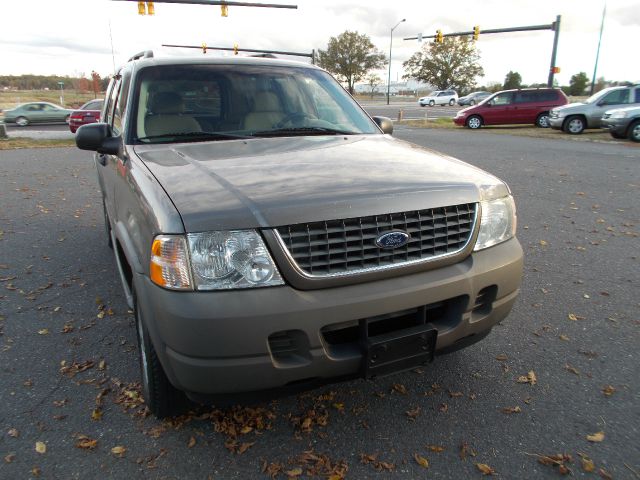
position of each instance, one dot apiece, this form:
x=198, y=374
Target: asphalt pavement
x=554, y=387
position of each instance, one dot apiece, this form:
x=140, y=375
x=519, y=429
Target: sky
x=73, y=37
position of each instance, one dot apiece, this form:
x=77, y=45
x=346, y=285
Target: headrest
x=266, y=102
x=167, y=102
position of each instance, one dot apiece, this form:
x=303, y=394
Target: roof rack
x=143, y=54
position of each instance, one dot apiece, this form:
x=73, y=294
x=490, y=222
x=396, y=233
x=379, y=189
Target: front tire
x=22, y=121
x=574, y=125
x=474, y=122
x=452, y=102
x=431, y=103
x=543, y=120
x=472, y=102
x=634, y=131
x=162, y=398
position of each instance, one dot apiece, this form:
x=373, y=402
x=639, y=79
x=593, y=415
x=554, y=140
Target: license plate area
x=388, y=351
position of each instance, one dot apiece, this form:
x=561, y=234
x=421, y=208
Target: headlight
x=233, y=259
x=497, y=223
x=619, y=114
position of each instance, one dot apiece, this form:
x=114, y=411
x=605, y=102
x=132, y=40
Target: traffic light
x=235, y=48
x=439, y=36
x=476, y=32
x=204, y=47
x=224, y=10
x=555, y=69
x=148, y=9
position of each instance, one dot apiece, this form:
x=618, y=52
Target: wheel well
x=475, y=115
x=579, y=115
x=631, y=123
x=124, y=265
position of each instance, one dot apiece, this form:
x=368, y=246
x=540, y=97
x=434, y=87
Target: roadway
x=70, y=377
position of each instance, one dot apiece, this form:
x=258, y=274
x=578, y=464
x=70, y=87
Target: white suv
x=439, y=97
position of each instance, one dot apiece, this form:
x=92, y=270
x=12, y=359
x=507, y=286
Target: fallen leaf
x=44, y=331
x=502, y=357
x=455, y=394
x=41, y=447
x=563, y=337
x=420, y=460
x=604, y=474
x=596, y=437
x=296, y=472
x=413, y=414
x=57, y=309
x=86, y=443
x=13, y=433
x=543, y=243
x=608, y=390
x=435, y=448
x=571, y=369
x=528, y=378
x=515, y=409
x=102, y=365
x=244, y=447
x=401, y=389
x=118, y=450
x=573, y=317
x=485, y=469
x=10, y=458
x=588, y=465
x=35, y=471
x=192, y=442
x=443, y=407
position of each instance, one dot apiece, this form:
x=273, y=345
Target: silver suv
x=439, y=97
x=270, y=234
x=575, y=117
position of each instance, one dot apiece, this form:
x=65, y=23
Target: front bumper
x=556, y=122
x=460, y=121
x=616, y=125
x=223, y=342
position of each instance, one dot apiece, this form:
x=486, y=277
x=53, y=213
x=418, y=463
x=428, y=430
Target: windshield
x=220, y=102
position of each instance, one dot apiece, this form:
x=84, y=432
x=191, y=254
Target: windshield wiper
x=302, y=131
x=195, y=136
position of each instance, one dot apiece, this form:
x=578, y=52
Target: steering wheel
x=291, y=119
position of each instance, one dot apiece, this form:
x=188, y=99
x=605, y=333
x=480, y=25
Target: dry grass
x=72, y=98
x=23, y=142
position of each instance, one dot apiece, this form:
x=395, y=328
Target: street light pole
x=61, y=93
x=390, y=47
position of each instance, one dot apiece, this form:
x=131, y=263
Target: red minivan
x=528, y=105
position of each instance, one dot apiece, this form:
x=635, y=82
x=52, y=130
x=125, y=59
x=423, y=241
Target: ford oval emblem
x=393, y=239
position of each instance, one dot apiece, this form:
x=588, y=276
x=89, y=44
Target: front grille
x=348, y=246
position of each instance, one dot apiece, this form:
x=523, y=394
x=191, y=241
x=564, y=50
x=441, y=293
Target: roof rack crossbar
x=143, y=54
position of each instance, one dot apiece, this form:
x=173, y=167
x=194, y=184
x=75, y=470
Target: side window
x=526, y=97
x=108, y=111
x=118, y=111
x=502, y=99
x=637, y=97
x=616, y=97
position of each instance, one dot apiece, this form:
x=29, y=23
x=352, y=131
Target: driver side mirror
x=385, y=124
x=98, y=137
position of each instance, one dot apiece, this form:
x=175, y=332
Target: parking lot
x=553, y=389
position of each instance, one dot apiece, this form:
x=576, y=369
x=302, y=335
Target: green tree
x=350, y=56
x=578, y=84
x=373, y=81
x=512, y=80
x=450, y=64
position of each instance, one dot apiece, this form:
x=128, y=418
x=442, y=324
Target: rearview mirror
x=385, y=124
x=98, y=137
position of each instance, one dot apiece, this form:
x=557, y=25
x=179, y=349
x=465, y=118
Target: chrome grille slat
x=347, y=246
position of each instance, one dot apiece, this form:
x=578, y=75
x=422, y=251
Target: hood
x=271, y=182
x=569, y=107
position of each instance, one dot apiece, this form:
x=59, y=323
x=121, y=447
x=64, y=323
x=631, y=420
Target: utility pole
x=390, y=47
x=553, y=69
x=595, y=68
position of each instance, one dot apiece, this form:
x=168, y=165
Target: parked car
x=87, y=113
x=473, y=98
x=623, y=123
x=527, y=105
x=576, y=117
x=270, y=234
x=36, y=112
x=439, y=97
